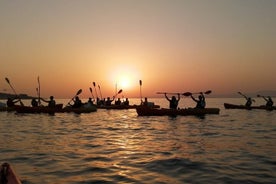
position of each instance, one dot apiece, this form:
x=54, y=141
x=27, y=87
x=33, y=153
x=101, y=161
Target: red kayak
x=8, y=175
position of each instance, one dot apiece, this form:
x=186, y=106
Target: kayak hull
x=262, y=107
x=39, y=109
x=79, y=110
x=146, y=111
x=8, y=174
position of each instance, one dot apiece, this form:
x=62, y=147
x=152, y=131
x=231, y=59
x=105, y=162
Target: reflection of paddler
x=7, y=175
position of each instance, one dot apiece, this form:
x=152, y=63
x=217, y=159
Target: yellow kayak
x=7, y=175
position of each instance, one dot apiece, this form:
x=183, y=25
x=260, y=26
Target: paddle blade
x=120, y=91
x=79, y=92
x=187, y=94
x=8, y=81
x=94, y=84
x=99, y=87
x=90, y=90
x=208, y=92
x=140, y=82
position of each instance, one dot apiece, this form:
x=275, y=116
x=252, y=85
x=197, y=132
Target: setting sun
x=124, y=77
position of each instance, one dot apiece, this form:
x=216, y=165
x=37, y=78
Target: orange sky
x=174, y=46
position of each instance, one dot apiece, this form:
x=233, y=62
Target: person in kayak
x=126, y=102
x=77, y=102
x=269, y=101
x=248, y=101
x=34, y=103
x=173, y=101
x=51, y=102
x=118, y=102
x=109, y=101
x=11, y=102
x=200, y=102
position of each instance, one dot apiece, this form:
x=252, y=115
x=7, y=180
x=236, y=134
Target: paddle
x=120, y=91
x=94, y=84
x=8, y=81
x=79, y=92
x=100, y=91
x=189, y=93
x=245, y=96
x=140, y=82
x=91, y=92
x=167, y=93
x=38, y=90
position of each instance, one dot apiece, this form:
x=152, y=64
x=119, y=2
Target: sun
x=124, y=77
x=124, y=82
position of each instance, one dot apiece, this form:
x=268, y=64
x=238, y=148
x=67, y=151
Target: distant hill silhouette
x=7, y=95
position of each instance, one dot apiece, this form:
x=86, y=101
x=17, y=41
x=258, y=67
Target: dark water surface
x=117, y=146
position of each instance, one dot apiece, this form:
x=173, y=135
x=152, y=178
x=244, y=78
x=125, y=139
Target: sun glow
x=125, y=77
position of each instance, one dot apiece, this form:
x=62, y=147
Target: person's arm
x=193, y=98
x=167, y=97
x=44, y=100
x=178, y=95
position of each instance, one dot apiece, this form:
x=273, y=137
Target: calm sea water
x=117, y=146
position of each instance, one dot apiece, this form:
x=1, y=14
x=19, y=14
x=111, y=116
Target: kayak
x=233, y=106
x=116, y=107
x=83, y=109
x=8, y=175
x=147, y=111
x=39, y=109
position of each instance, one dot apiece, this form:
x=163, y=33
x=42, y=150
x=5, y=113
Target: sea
x=118, y=146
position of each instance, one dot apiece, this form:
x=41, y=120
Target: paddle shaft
x=8, y=81
x=94, y=84
x=168, y=93
x=140, y=83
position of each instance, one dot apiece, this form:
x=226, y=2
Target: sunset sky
x=171, y=45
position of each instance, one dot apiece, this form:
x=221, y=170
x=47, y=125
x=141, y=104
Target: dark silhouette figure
x=109, y=101
x=248, y=101
x=34, y=103
x=173, y=101
x=269, y=101
x=51, y=102
x=200, y=102
x=126, y=102
x=11, y=102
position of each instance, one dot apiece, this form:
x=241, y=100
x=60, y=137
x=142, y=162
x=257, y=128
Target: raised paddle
x=94, y=84
x=38, y=90
x=79, y=92
x=8, y=81
x=189, y=93
x=100, y=91
x=245, y=96
x=120, y=91
x=91, y=92
x=167, y=93
x=140, y=83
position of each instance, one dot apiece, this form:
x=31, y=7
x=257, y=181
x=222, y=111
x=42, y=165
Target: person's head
x=108, y=98
x=90, y=99
x=173, y=98
x=200, y=97
x=146, y=99
x=51, y=97
x=77, y=98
